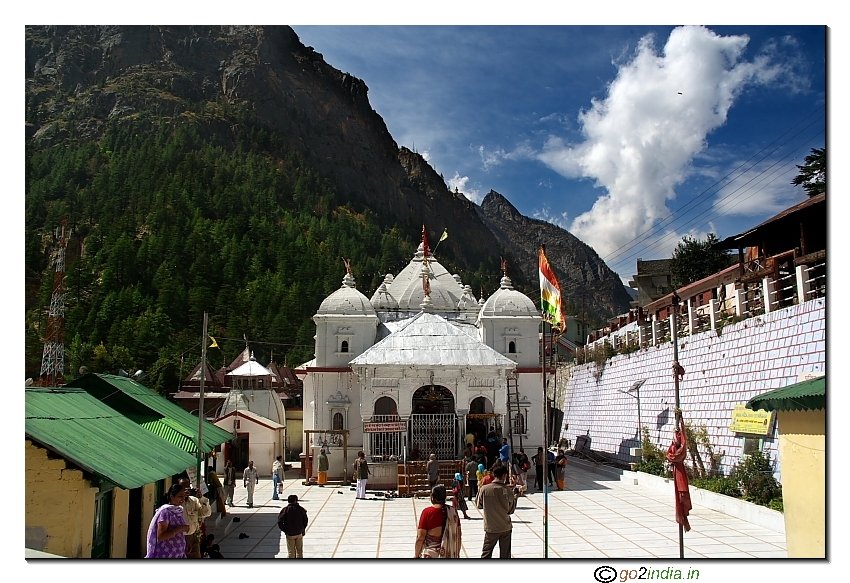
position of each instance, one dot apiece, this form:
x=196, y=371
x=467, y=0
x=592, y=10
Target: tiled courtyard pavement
x=596, y=517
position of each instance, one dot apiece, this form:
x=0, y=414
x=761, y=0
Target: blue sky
x=627, y=136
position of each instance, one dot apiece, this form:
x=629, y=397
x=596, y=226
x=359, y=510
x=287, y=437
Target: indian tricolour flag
x=550, y=295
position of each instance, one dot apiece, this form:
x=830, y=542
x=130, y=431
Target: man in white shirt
x=251, y=477
x=195, y=509
x=277, y=476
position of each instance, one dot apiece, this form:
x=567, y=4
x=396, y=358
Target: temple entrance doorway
x=386, y=444
x=433, y=424
x=481, y=419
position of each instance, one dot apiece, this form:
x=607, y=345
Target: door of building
x=240, y=452
x=134, y=525
x=102, y=531
x=433, y=433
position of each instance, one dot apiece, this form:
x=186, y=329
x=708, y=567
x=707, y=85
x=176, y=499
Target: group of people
x=438, y=534
x=177, y=527
x=495, y=491
x=556, y=468
x=176, y=530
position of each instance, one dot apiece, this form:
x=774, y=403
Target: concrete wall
x=802, y=449
x=149, y=503
x=59, y=509
x=722, y=370
x=120, y=519
x=295, y=432
x=264, y=444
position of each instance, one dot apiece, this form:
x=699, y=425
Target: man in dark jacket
x=292, y=520
x=492, y=449
x=539, y=478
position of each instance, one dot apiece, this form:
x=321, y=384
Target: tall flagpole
x=674, y=332
x=544, y=478
x=201, y=405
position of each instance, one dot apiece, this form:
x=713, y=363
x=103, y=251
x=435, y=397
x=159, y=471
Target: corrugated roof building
x=154, y=412
x=82, y=460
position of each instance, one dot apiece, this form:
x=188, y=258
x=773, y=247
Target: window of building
x=344, y=346
x=385, y=406
x=752, y=444
x=512, y=347
x=338, y=422
x=519, y=423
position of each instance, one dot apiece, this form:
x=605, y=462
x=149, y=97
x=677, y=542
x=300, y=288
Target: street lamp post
x=635, y=388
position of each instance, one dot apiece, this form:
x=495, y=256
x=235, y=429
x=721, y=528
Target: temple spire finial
x=425, y=249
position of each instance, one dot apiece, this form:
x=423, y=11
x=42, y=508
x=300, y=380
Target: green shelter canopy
x=803, y=396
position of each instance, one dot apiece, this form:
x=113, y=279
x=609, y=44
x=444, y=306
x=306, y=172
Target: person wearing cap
x=292, y=520
x=459, y=502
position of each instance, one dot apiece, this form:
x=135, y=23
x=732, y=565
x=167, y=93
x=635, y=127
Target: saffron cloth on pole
x=676, y=454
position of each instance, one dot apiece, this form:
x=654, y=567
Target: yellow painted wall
x=120, y=514
x=295, y=430
x=149, y=506
x=802, y=454
x=59, y=510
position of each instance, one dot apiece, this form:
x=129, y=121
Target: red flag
x=425, y=242
x=676, y=454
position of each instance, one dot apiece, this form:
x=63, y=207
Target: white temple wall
x=497, y=333
x=331, y=331
x=530, y=386
x=321, y=386
x=746, y=359
x=264, y=444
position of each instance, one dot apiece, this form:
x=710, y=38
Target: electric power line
x=672, y=215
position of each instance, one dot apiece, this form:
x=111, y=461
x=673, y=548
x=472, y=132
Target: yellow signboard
x=748, y=421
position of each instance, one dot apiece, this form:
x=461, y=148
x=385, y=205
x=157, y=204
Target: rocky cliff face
x=80, y=78
x=588, y=284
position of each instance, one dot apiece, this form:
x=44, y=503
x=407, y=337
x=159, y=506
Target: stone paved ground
x=596, y=517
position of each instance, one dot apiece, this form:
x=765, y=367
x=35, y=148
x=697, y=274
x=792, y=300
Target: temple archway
x=433, y=399
x=481, y=419
x=433, y=423
x=385, y=444
x=385, y=406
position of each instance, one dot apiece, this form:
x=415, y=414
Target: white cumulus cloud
x=546, y=214
x=639, y=141
x=459, y=183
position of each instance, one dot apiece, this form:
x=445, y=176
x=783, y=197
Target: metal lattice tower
x=53, y=358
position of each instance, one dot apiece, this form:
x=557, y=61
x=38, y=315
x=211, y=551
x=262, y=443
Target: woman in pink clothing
x=167, y=532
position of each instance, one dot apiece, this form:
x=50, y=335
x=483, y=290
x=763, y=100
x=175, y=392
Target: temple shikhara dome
x=421, y=365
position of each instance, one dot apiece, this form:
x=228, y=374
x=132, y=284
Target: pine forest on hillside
x=168, y=225
x=229, y=170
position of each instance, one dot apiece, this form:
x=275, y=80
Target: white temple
x=413, y=370
x=252, y=410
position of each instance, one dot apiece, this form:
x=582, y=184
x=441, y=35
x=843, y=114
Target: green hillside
x=167, y=225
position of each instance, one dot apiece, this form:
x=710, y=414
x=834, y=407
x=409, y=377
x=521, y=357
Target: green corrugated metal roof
x=99, y=439
x=137, y=401
x=803, y=396
x=161, y=427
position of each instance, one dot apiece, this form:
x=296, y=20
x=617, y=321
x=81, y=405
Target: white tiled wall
x=746, y=359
